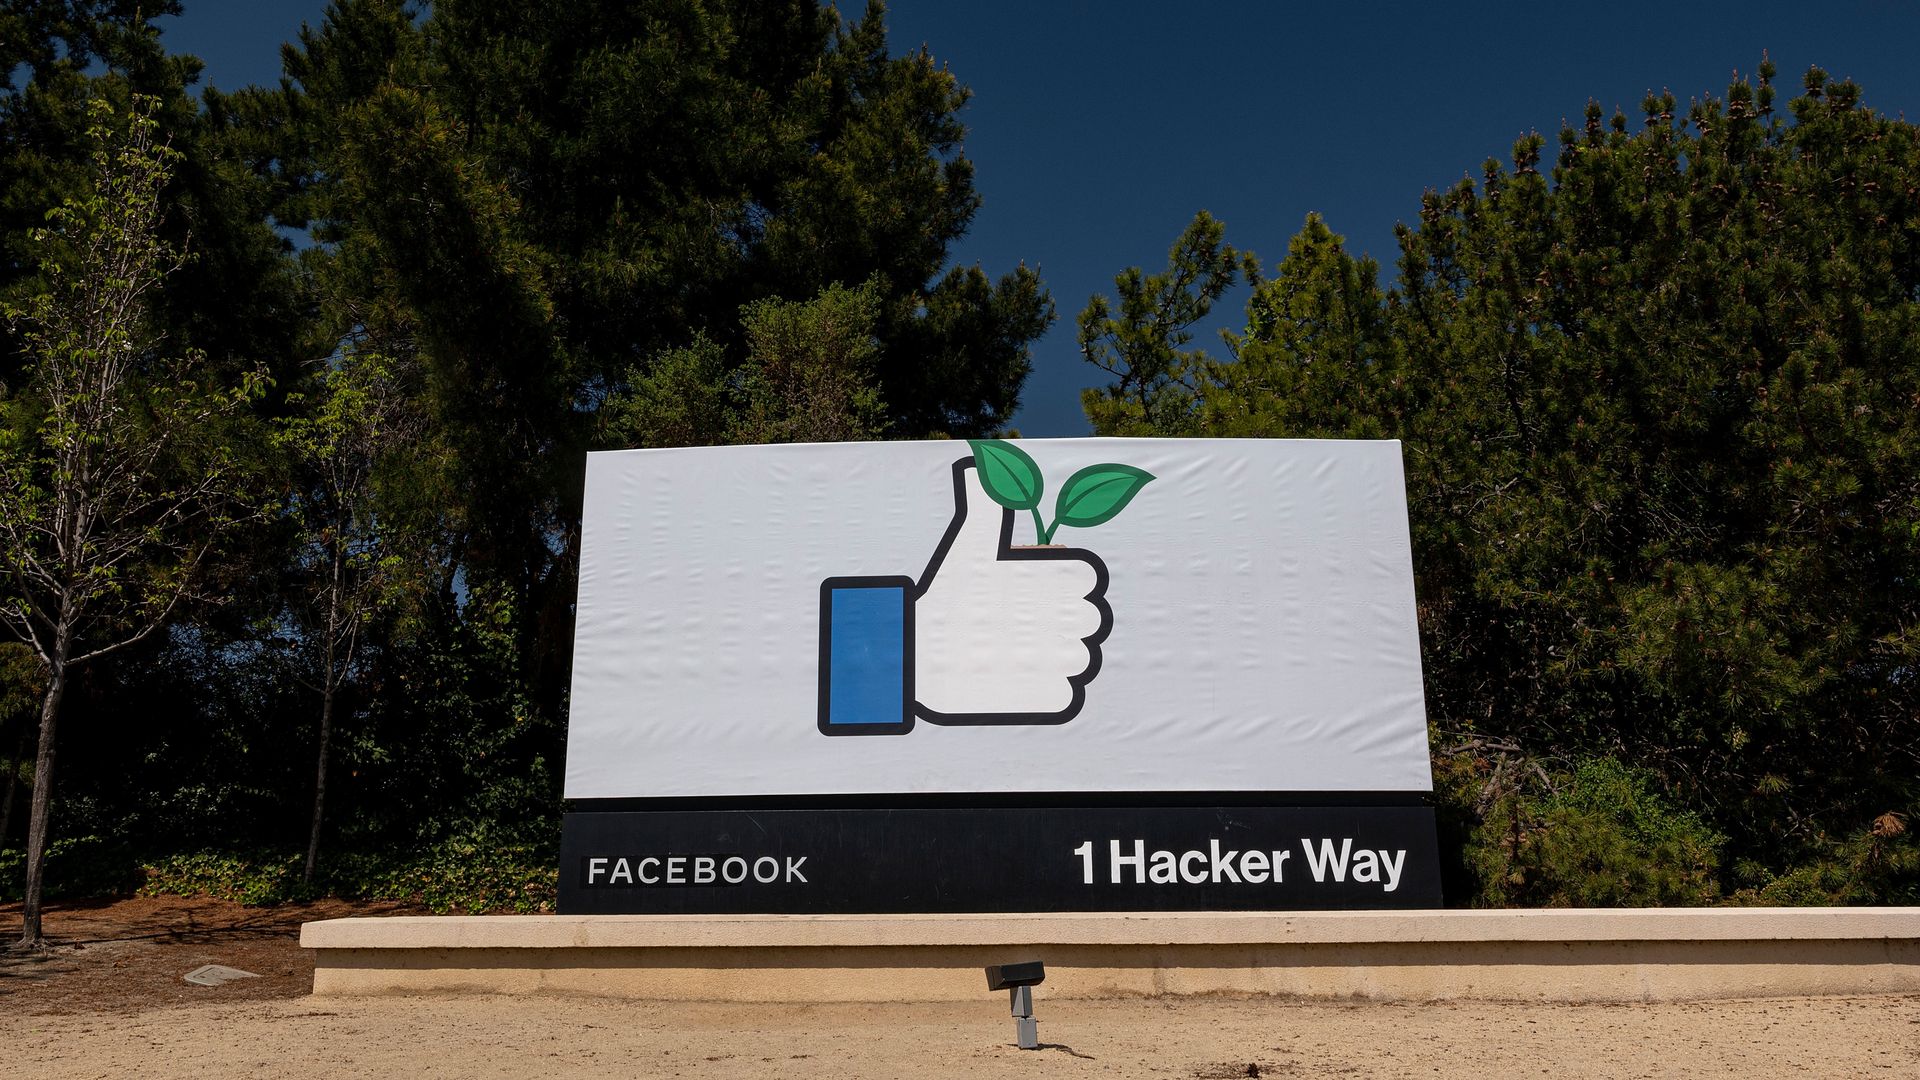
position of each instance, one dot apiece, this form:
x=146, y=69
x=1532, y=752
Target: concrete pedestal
x=1660, y=954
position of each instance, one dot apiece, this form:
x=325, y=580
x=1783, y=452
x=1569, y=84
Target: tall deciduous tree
x=354, y=420
x=113, y=483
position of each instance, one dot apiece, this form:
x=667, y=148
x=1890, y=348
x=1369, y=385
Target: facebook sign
x=1077, y=674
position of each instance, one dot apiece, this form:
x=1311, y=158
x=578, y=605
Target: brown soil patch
x=127, y=955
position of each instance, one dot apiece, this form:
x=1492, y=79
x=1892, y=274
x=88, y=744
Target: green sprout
x=1092, y=496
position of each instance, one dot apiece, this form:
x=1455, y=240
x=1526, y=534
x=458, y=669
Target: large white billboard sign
x=1075, y=615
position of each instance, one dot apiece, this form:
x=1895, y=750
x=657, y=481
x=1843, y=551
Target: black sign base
x=848, y=861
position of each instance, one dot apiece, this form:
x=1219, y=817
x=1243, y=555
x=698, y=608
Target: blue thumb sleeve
x=866, y=655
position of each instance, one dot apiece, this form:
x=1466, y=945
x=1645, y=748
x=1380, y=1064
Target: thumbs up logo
x=991, y=632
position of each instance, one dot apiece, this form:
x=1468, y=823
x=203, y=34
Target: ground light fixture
x=1018, y=980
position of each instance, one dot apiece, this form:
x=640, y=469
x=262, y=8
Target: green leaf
x=1009, y=475
x=1095, y=494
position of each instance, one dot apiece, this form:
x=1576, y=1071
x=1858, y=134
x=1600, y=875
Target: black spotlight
x=1018, y=980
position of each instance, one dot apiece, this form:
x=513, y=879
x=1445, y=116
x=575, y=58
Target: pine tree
x=1663, y=467
x=1143, y=345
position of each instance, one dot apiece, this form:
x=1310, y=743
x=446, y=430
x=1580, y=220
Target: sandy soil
x=522, y=1037
x=116, y=1008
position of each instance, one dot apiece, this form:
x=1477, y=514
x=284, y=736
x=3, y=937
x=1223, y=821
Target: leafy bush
x=1599, y=835
x=264, y=879
x=463, y=874
x=1879, y=866
x=76, y=867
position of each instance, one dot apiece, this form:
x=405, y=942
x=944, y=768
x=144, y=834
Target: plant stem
x=1039, y=527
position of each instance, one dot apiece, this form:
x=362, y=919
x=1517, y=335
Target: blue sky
x=1098, y=129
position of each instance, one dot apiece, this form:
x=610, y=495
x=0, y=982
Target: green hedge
x=458, y=875
x=464, y=875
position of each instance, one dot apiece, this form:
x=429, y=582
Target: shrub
x=1880, y=865
x=76, y=866
x=464, y=874
x=1598, y=835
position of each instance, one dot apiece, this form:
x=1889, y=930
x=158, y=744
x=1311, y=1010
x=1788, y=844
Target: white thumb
x=977, y=528
x=985, y=524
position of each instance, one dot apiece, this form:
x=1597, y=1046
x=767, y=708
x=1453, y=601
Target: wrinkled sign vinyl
x=1039, y=616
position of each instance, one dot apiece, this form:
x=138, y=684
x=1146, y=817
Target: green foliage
x=1318, y=340
x=807, y=377
x=1879, y=865
x=1599, y=835
x=1096, y=494
x=809, y=371
x=77, y=866
x=20, y=685
x=534, y=195
x=685, y=397
x=538, y=229
x=1008, y=474
x=473, y=875
x=119, y=469
x=459, y=746
x=1142, y=345
x=352, y=442
x=238, y=302
x=1663, y=471
x=461, y=875
x=260, y=879
x=118, y=466
x=1092, y=496
x=610, y=224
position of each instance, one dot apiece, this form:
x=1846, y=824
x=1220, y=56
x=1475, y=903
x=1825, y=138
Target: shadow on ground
x=124, y=955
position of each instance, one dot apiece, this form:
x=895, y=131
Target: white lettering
x=1327, y=863
x=1394, y=865
x=1366, y=865
x=1253, y=866
x=608, y=870
x=1193, y=877
x=1223, y=865
x=1329, y=859
x=1163, y=872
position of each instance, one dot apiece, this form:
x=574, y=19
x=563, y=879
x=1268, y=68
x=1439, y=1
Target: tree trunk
x=30, y=936
x=320, y=780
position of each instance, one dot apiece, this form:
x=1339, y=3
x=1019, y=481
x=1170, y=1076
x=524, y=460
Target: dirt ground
x=110, y=1003
x=119, y=956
